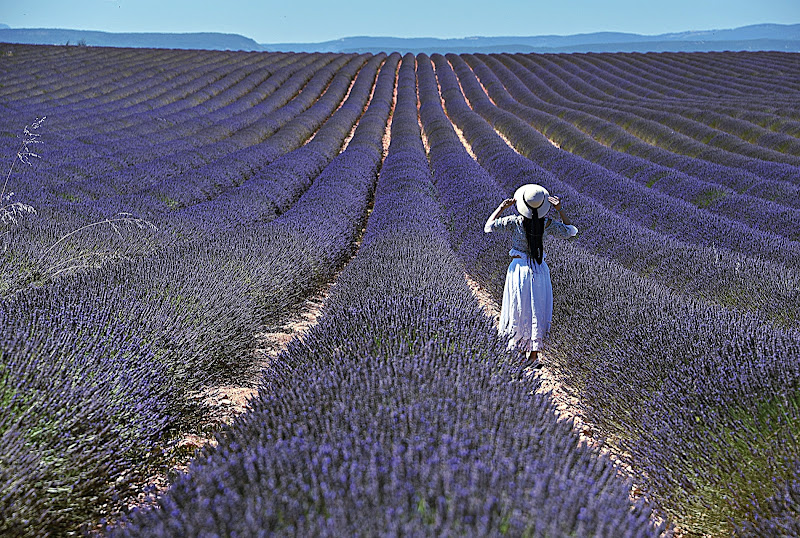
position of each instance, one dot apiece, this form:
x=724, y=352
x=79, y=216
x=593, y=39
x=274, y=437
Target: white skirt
x=527, y=304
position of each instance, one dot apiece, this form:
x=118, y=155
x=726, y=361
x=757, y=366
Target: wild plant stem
x=23, y=153
x=10, y=170
x=87, y=226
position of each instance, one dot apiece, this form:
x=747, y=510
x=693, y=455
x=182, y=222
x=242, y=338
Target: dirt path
x=225, y=403
x=567, y=407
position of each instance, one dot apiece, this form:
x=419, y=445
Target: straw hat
x=530, y=197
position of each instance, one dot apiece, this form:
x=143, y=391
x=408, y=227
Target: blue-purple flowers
x=267, y=177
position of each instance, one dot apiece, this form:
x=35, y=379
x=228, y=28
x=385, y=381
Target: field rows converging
x=175, y=206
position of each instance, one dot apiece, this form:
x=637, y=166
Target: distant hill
x=756, y=37
x=780, y=37
x=199, y=40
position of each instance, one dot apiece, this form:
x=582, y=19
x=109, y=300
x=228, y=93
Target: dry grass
x=11, y=212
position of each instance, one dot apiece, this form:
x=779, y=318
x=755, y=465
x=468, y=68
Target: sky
x=289, y=21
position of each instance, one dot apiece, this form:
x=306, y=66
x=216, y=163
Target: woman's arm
x=503, y=206
x=560, y=210
x=564, y=229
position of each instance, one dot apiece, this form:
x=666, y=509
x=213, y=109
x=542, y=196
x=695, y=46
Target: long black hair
x=534, y=229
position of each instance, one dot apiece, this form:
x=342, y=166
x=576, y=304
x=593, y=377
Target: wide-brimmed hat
x=532, y=197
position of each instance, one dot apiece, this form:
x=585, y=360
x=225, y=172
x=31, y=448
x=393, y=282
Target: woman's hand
x=502, y=207
x=556, y=203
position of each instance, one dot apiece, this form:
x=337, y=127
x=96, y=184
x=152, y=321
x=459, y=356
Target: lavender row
x=72, y=150
x=701, y=132
x=245, y=146
x=598, y=88
x=89, y=404
x=739, y=180
x=16, y=54
x=681, y=151
x=118, y=77
x=232, y=169
x=29, y=239
x=708, y=271
x=195, y=307
x=756, y=126
x=746, y=129
x=653, y=87
x=90, y=95
x=233, y=93
x=397, y=413
x=57, y=217
x=53, y=59
x=277, y=186
x=749, y=80
x=699, y=396
x=189, y=93
x=80, y=157
x=75, y=95
x=160, y=96
x=622, y=342
x=664, y=79
x=665, y=214
x=25, y=65
x=748, y=74
x=710, y=112
x=567, y=127
x=172, y=132
x=702, y=83
x=466, y=189
x=119, y=151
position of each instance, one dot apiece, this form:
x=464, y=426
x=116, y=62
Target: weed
x=708, y=197
x=10, y=211
x=83, y=260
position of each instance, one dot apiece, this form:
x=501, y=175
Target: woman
x=528, y=295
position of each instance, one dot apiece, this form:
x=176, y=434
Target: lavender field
x=175, y=205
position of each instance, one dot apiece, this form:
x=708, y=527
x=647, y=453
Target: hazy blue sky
x=322, y=20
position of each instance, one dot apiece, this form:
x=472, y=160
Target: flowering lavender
x=189, y=311
x=676, y=305
x=630, y=347
x=710, y=186
x=643, y=248
x=719, y=130
x=398, y=413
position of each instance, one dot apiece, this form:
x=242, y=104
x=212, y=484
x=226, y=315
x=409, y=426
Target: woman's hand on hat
x=507, y=203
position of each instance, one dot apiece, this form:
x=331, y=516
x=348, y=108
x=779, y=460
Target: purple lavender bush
x=598, y=140
x=85, y=415
x=188, y=311
x=625, y=340
x=706, y=271
x=398, y=413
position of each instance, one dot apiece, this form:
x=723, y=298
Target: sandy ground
x=568, y=408
x=224, y=403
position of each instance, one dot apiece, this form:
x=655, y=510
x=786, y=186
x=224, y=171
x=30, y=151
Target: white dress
x=528, y=294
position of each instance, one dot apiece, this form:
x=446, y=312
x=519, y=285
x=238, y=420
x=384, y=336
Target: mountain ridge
x=781, y=37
